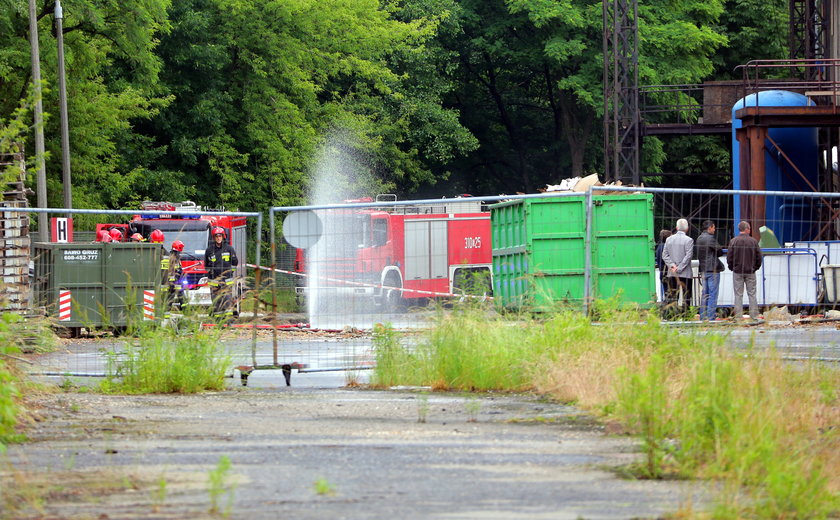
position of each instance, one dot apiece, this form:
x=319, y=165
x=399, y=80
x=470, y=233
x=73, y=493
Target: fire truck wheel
x=238, y=295
x=392, y=296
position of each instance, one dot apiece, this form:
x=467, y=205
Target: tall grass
x=16, y=335
x=461, y=351
x=767, y=429
x=168, y=361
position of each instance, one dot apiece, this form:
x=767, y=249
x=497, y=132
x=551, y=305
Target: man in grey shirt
x=676, y=255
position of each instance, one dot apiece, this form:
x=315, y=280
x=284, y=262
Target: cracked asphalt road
x=487, y=456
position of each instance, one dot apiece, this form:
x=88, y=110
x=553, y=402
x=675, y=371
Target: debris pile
x=582, y=184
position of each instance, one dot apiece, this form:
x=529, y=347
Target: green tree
x=531, y=80
x=756, y=29
x=111, y=83
x=260, y=86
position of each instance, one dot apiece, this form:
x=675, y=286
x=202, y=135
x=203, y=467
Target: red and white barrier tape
x=372, y=285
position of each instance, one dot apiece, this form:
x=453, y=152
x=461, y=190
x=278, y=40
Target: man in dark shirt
x=663, y=269
x=708, y=251
x=744, y=259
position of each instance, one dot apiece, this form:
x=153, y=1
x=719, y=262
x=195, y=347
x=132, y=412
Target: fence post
x=587, y=246
x=257, y=282
x=271, y=218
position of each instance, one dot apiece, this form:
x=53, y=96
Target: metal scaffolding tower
x=622, y=139
x=809, y=29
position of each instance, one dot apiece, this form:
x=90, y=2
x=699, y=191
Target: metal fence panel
x=796, y=244
x=404, y=263
x=397, y=262
x=93, y=288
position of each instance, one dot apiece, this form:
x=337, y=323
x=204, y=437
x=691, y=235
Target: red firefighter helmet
x=104, y=236
x=136, y=237
x=178, y=245
x=156, y=237
x=219, y=231
x=116, y=234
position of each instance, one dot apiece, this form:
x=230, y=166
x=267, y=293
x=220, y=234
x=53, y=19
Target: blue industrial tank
x=791, y=218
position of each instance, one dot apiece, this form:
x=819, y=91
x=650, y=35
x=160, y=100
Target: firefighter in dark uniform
x=157, y=237
x=220, y=260
x=173, y=278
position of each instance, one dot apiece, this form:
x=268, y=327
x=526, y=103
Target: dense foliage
x=231, y=102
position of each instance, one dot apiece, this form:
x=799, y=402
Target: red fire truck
x=402, y=254
x=177, y=223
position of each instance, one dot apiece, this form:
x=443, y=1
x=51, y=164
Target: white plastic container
x=831, y=279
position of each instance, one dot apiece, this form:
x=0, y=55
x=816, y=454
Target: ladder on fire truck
x=186, y=206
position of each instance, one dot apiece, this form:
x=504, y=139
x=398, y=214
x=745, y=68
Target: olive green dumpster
x=98, y=285
x=539, y=250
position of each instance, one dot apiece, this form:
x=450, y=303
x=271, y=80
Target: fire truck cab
x=177, y=223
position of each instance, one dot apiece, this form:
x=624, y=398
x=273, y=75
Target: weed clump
x=219, y=480
x=323, y=487
x=463, y=350
x=166, y=361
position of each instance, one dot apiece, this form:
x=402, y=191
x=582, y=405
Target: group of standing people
x=673, y=257
x=220, y=261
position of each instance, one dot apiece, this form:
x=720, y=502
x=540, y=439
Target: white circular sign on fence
x=302, y=229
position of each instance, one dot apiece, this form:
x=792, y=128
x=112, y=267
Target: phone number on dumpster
x=80, y=255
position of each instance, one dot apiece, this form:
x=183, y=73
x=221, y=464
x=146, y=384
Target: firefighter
x=220, y=260
x=116, y=235
x=173, y=277
x=137, y=237
x=157, y=237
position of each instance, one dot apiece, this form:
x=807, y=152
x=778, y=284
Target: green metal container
x=539, y=250
x=98, y=284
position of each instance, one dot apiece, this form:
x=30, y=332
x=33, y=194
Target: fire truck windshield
x=345, y=234
x=195, y=234
x=195, y=242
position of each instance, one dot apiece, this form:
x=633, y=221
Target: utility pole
x=41, y=178
x=62, y=101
